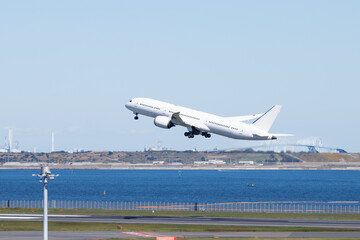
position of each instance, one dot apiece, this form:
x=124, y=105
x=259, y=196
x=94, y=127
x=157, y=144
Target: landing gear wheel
x=136, y=116
x=206, y=135
x=189, y=134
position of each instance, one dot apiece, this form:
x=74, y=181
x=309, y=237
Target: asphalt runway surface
x=57, y=235
x=32, y=235
x=260, y=222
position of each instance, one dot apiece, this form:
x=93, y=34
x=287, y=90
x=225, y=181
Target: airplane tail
x=267, y=119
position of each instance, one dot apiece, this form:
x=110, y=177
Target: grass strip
x=315, y=216
x=79, y=226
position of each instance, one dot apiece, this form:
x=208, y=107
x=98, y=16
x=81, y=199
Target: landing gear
x=136, y=116
x=206, y=135
x=189, y=134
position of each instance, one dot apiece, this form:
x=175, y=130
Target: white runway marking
x=35, y=216
x=13, y=217
x=40, y=215
x=72, y=216
x=140, y=234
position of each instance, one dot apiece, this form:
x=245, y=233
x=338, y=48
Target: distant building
x=246, y=162
x=158, y=162
x=210, y=162
x=176, y=164
x=81, y=163
x=217, y=162
x=75, y=150
x=18, y=164
x=201, y=162
x=143, y=164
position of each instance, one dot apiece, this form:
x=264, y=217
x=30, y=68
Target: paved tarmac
x=354, y=224
x=181, y=220
x=116, y=234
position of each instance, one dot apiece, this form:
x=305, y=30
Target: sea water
x=184, y=185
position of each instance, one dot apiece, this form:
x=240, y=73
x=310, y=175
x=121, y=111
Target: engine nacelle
x=163, y=122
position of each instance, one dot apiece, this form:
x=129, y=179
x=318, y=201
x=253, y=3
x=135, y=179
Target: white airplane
x=167, y=115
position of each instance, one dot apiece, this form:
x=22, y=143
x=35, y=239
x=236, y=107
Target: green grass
x=79, y=226
x=187, y=213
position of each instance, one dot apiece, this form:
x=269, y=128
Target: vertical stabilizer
x=267, y=119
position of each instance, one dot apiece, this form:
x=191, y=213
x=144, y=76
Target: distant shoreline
x=274, y=168
x=183, y=160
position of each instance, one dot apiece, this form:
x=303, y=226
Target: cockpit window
x=130, y=101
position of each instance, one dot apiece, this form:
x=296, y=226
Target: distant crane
x=6, y=144
x=17, y=144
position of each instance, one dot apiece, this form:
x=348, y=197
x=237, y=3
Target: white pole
x=45, y=231
x=45, y=174
x=52, y=142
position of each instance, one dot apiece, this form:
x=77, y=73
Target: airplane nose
x=129, y=104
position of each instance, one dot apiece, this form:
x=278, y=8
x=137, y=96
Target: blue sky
x=70, y=66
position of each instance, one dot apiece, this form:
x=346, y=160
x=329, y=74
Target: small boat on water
x=251, y=185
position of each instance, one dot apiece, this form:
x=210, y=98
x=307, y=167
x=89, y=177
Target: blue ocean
x=184, y=185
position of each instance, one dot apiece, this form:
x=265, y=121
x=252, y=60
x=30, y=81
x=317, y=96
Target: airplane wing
x=245, y=118
x=175, y=118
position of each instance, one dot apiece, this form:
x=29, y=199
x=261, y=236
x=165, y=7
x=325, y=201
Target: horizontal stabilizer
x=267, y=119
x=282, y=134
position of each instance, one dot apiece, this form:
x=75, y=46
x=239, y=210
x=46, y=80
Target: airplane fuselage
x=167, y=115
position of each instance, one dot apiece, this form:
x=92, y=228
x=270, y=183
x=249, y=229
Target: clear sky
x=70, y=66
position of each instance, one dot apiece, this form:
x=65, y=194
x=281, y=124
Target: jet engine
x=163, y=122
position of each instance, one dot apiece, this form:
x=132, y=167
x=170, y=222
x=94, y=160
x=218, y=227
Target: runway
x=59, y=235
x=353, y=224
